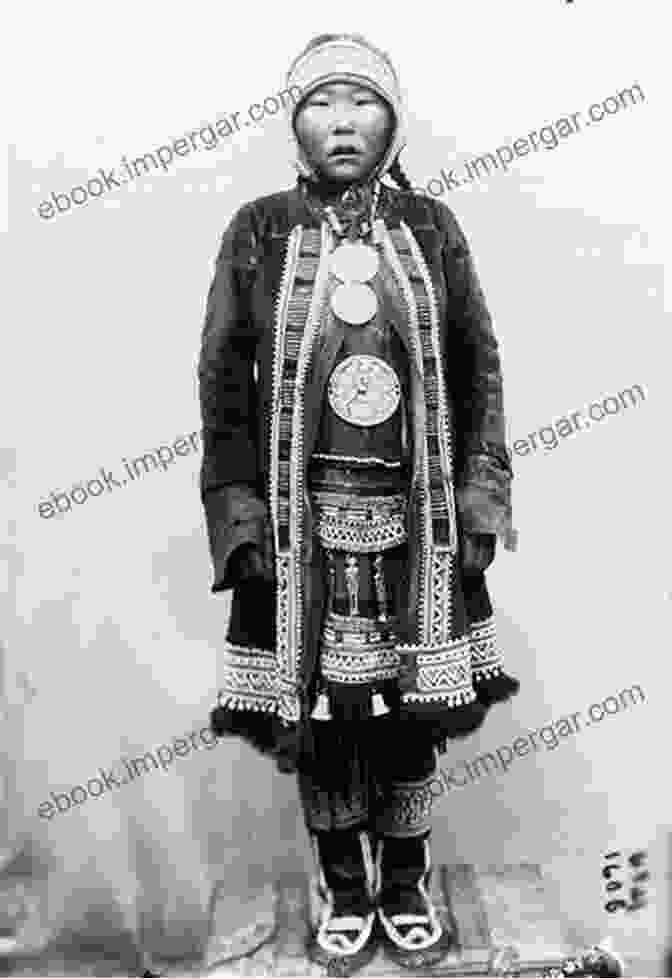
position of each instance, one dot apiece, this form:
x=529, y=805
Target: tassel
x=378, y=706
x=321, y=710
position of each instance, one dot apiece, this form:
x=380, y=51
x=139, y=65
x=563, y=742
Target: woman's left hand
x=478, y=552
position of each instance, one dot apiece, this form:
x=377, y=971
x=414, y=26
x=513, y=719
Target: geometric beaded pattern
x=293, y=309
x=298, y=310
x=443, y=673
x=440, y=663
x=485, y=657
x=440, y=607
x=419, y=499
x=249, y=678
x=437, y=431
x=286, y=616
x=407, y=808
x=360, y=524
x=357, y=659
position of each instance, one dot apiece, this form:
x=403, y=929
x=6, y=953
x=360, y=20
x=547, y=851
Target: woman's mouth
x=344, y=153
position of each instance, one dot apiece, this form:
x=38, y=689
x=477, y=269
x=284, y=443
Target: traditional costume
x=353, y=432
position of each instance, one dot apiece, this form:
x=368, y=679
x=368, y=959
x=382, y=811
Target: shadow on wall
x=133, y=871
x=510, y=816
x=246, y=812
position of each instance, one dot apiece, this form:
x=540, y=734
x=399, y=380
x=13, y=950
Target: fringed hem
x=264, y=731
x=237, y=702
x=257, y=728
x=452, y=700
x=485, y=672
x=496, y=688
x=444, y=725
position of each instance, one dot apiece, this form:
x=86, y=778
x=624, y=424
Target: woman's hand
x=478, y=552
x=250, y=564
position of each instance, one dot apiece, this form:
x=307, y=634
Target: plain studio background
x=113, y=649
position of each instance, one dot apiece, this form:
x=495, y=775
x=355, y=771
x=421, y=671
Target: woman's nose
x=342, y=120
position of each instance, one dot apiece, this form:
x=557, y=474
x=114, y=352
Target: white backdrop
x=113, y=647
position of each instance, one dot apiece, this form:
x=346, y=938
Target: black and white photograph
x=338, y=605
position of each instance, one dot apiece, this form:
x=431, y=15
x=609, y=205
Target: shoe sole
x=343, y=965
x=422, y=958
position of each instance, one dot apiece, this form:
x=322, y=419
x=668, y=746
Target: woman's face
x=344, y=130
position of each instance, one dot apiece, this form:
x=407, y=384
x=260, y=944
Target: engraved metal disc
x=354, y=303
x=364, y=390
x=352, y=262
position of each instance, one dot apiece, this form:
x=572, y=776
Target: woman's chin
x=345, y=171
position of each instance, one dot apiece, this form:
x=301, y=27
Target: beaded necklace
x=353, y=263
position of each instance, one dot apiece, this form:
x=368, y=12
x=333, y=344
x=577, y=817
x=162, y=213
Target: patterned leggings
x=388, y=786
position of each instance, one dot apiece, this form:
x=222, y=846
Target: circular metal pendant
x=364, y=390
x=352, y=262
x=354, y=303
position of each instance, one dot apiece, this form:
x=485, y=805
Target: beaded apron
x=359, y=523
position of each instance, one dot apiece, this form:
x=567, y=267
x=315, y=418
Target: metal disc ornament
x=354, y=303
x=364, y=390
x=352, y=262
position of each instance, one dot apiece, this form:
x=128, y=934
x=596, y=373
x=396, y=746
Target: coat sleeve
x=483, y=460
x=234, y=510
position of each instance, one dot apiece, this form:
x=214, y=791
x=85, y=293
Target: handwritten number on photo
x=637, y=876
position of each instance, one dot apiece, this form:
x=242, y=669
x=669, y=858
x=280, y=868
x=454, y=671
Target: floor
x=489, y=910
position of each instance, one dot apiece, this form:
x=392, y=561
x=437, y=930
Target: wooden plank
x=238, y=927
x=518, y=913
x=463, y=896
x=293, y=928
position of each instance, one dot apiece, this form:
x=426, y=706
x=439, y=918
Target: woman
x=355, y=478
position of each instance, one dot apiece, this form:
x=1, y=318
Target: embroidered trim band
x=442, y=673
x=249, y=677
x=407, y=809
x=360, y=523
x=486, y=660
x=298, y=313
x=434, y=500
x=357, y=650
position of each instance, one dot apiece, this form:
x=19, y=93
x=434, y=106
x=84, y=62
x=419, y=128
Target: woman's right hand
x=250, y=565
